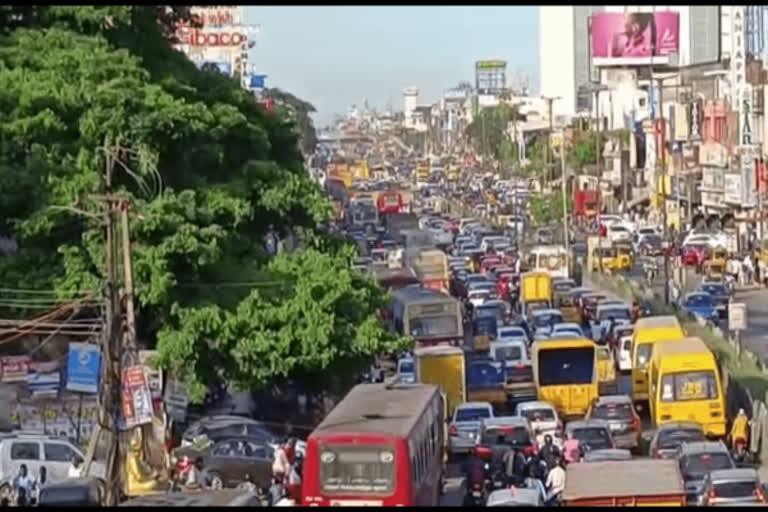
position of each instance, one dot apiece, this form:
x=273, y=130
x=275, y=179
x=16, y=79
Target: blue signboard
x=257, y=81
x=44, y=383
x=83, y=367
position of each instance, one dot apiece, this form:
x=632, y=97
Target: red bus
x=382, y=445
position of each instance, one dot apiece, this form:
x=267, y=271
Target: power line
x=34, y=291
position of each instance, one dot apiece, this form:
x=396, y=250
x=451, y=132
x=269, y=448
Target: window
x=25, y=451
x=358, y=469
x=225, y=449
x=689, y=386
x=59, y=452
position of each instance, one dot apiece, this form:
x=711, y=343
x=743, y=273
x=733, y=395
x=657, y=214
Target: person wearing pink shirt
x=571, y=449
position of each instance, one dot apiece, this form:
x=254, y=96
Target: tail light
x=712, y=496
x=636, y=424
x=483, y=452
x=759, y=494
x=531, y=450
x=454, y=431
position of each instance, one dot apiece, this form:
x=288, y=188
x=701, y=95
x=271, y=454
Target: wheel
x=6, y=491
x=216, y=482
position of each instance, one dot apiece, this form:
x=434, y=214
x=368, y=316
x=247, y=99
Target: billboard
x=217, y=66
x=636, y=37
x=490, y=64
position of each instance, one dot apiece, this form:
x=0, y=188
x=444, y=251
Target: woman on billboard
x=637, y=39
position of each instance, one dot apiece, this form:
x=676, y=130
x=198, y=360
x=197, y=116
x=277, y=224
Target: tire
x=6, y=491
x=216, y=482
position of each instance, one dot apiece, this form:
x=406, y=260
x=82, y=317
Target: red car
x=489, y=262
x=695, y=255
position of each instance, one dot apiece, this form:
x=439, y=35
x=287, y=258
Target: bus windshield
x=357, y=469
x=434, y=326
x=680, y=387
x=566, y=366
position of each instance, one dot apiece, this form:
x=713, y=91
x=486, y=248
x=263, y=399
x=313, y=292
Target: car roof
x=474, y=405
x=505, y=421
x=695, y=447
x=591, y=423
x=536, y=404
x=614, y=399
x=520, y=495
x=567, y=325
x=548, y=311
x=734, y=474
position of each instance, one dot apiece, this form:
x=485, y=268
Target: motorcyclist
x=555, y=481
x=514, y=465
x=635, y=311
x=474, y=472
x=549, y=451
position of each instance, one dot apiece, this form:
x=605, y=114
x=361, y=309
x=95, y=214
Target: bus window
x=368, y=469
x=566, y=366
x=434, y=326
x=679, y=387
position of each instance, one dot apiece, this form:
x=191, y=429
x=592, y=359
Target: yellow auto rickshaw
x=603, y=258
x=714, y=269
x=719, y=257
x=624, y=256
x=606, y=371
x=566, y=303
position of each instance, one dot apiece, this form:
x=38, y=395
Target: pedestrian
x=21, y=497
x=571, y=449
x=197, y=477
x=24, y=481
x=42, y=481
x=549, y=452
x=281, y=464
x=275, y=491
x=76, y=468
x=555, y=481
x=748, y=269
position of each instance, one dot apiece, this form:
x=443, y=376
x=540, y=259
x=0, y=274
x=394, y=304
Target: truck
x=626, y=483
x=443, y=366
x=486, y=378
x=431, y=268
x=535, y=291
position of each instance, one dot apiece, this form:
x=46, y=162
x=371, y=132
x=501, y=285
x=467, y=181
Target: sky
x=337, y=56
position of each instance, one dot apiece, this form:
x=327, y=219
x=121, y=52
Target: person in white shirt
x=555, y=480
x=76, y=468
x=281, y=464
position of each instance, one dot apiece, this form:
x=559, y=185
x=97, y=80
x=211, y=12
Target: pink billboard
x=635, y=34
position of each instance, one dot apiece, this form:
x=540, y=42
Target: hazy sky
x=337, y=56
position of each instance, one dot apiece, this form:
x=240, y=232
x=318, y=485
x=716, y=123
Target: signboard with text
x=136, y=397
x=655, y=35
x=737, y=316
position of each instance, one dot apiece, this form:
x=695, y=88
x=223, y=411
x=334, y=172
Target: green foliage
x=582, y=150
x=208, y=173
x=548, y=208
x=488, y=132
x=300, y=112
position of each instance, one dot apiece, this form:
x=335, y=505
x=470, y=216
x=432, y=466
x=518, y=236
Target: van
x=686, y=386
x=648, y=332
x=565, y=373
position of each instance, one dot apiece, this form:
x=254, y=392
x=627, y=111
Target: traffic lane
x=755, y=338
x=453, y=492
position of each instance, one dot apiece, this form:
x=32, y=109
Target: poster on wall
x=63, y=417
x=733, y=188
x=634, y=37
x=15, y=368
x=154, y=376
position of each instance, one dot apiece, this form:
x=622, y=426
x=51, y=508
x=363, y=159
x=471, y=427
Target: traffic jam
x=526, y=384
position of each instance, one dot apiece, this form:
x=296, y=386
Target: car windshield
x=517, y=435
x=406, y=367
x=613, y=411
x=595, y=437
x=509, y=353
x=696, y=465
x=547, y=319
x=736, y=489
x=511, y=333
x=538, y=414
x=472, y=414
x=700, y=299
x=672, y=439
x=614, y=314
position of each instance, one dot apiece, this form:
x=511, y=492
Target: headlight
x=471, y=435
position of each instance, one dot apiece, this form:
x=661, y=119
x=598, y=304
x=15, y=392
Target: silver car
x=737, y=486
x=465, y=427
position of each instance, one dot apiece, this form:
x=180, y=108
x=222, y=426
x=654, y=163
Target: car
x=720, y=292
x=618, y=232
x=698, y=458
x=406, y=370
x=512, y=333
x=650, y=245
x=607, y=312
x=623, y=421
x=545, y=319
x=695, y=254
x=36, y=450
x=216, y=427
x=544, y=420
x=515, y=497
x=465, y=425
x=699, y=304
x=592, y=434
x=608, y=454
x=566, y=329
x=480, y=294
x=563, y=284
x=502, y=432
x=731, y=487
x=669, y=436
x=622, y=333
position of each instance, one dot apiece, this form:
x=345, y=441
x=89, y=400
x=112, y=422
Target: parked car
x=731, y=487
x=669, y=436
x=623, y=421
x=36, y=450
x=699, y=304
x=696, y=459
x=228, y=461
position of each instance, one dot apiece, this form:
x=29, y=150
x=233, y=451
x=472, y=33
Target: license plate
x=476, y=494
x=615, y=426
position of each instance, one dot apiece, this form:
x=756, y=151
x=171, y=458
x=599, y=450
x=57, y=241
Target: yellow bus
x=648, y=332
x=565, y=373
x=686, y=386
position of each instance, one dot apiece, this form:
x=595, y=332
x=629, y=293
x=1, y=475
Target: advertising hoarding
x=634, y=38
x=15, y=368
x=738, y=57
x=490, y=64
x=218, y=66
x=749, y=189
x=732, y=188
x=712, y=154
x=136, y=397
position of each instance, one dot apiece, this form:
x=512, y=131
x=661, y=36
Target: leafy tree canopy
x=488, y=132
x=208, y=172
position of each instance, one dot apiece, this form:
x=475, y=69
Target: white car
x=567, y=329
x=710, y=239
x=618, y=232
x=406, y=370
x=512, y=333
x=490, y=241
x=480, y=295
x=543, y=419
x=624, y=359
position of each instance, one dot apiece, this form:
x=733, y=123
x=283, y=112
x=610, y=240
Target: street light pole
x=564, y=181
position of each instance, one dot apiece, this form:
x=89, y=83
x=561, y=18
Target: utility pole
x=549, y=101
x=663, y=153
x=564, y=181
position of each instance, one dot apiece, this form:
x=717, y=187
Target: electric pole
x=564, y=181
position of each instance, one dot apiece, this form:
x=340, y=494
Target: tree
x=582, y=149
x=209, y=174
x=488, y=132
x=548, y=208
x=300, y=111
